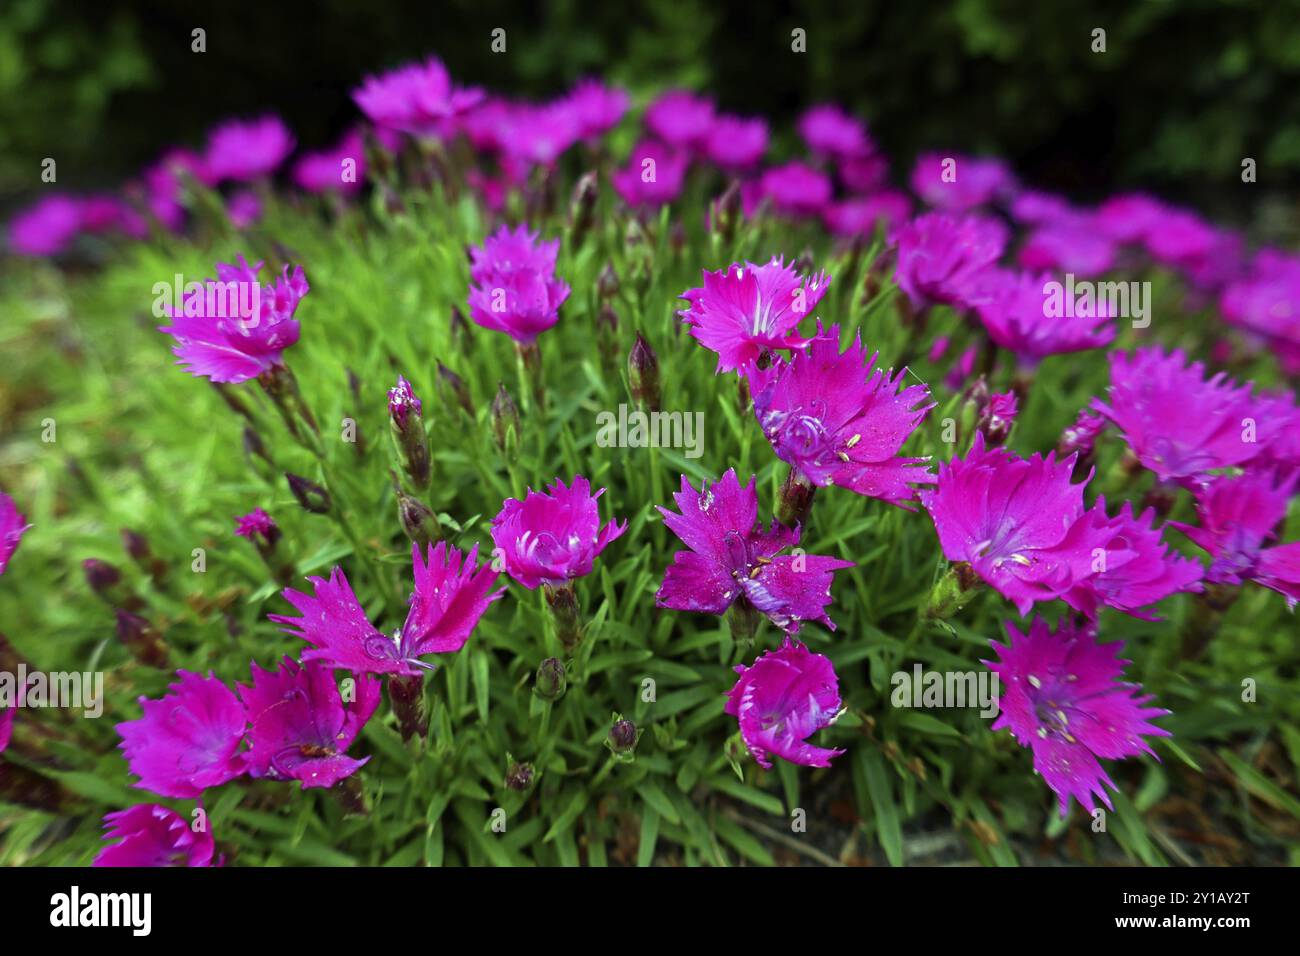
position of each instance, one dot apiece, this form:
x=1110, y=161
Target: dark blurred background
x=1184, y=91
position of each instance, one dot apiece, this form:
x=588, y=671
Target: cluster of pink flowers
x=983, y=245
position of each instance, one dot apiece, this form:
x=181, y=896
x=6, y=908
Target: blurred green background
x=1183, y=92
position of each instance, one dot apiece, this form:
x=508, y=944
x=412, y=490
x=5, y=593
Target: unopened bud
x=505, y=423
x=519, y=776
x=141, y=638
x=622, y=738
x=100, y=575
x=419, y=523
x=643, y=373
x=582, y=208
x=607, y=282
x=450, y=382
x=405, y=414
x=551, y=682
x=310, y=495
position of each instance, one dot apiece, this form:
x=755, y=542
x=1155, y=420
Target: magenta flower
x=861, y=215
x=339, y=169
x=1080, y=436
x=731, y=558
x=830, y=132
x=45, y=228
x=1062, y=697
x=942, y=258
x=960, y=183
x=1135, y=569
x=247, y=149
x=451, y=594
x=1266, y=305
x=1238, y=516
x=1129, y=217
x=595, y=108
x=152, y=835
x=785, y=697
x=1180, y=238
x=299, y=728
x=417, y=98
x=12, y=528
x=105, y=214
x=653, y=176
x=794, y=189
x=188, y=740
x=1020, y=315
x=1015, y=521
x=235, y=329
x=1179, y=424
x=736, y=144
x=553, y=537
x=680, y=119
x=1070, y=244
x=257, y=524
x=7, y=716
x=1035, y=208
x=538, y=135
x=513, y=287
x=402, y=401
x=866, y=175
x=747, y=310
x=841, y=421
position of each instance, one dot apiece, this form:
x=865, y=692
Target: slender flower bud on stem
x=607, y=337
x=953, y=592
x=551, y=682
x=137, y=547
x=418, y=521
x=310, y=495
x=743, y=620
x=106, y=581
x=519, y=776
x=565, y=613
x=460, y=333
x=255, y=447
x=406, y=693
x=621, y=740
x=505, y=424
x=450, y=382
x=142, y=640
x=643, y=373
x=607, y=283
x=796, y=499
x=724, y=213
x=582, y=209
x=405, y=415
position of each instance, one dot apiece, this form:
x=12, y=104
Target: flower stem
x=406, y=694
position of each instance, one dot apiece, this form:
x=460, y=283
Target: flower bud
x=101, y=576
x=404, y=414
x=724, y=212
x=996, y=418
x=419, y=523
x=582, y=208
x=505, y=423
x=310, y=495
x=623, y=737
x=607, y=282
x=551, y=682
x=643, y=373
x=460, y=332
x=253, y=445
x=563, y=602
x=449, y=381
x=519, y=776
x=141, y=639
